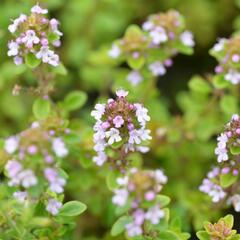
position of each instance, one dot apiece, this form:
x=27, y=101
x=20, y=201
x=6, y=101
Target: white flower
x=219, y=45
x=221, y=154
x=187, y=39
x=13, y=48
x=54, y=25
x=114, y=52
x=141, y=114
x=233, y=76
x=121, y=93
x=59, y=147
x=11, y=144
x=99, y=111
x=216, y=193
x=13, y=27
x=48, y=56
x=113, y=136
x=53, y=206
x=120, y=197
x=122, y=181
x=118, y=121
x=158, y=35
x=133, y=229
x=235, y=200
x=160, y=177
x=157, y=68
x=134, y=137
x=144, y=134
x=13, y=167
x=100, y=159
x=30, y=38
x=57, y=185
x=53, y=60
x=142, y=149
x=154, y=214
x=134, y=77
x=235, y=117
x=21, y=196
x=27, y=178
x=38, y=10
x=148, y=25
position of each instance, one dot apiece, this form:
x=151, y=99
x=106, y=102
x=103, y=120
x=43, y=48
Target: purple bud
x=130, y=127
x=235, y=58
x=32, y=149
x=105, y=125
x=218, y=69
x=44, y=20
x=18, y=40
x=135, y=55
x=168, y=62
x=131, y=107
x=49, y=159
x=171, y=35
x=51, y=132
x=238, y=130
x=235, y=172
x=44, y=42
x=225, y=170
x=150, y=195
x=229, y=134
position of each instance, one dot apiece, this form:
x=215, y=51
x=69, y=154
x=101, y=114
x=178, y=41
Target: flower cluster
x=162, y=36
x=119, y=125
x=211, y=185
x=222, y=182
x=229, y=140
x=227, y=53
x=138, y=193
x=35, y=38
x=33, y=158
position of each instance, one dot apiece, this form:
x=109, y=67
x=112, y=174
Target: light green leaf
x=72, y=208
x=227, y=180
x=31, y=60
x=74, y=100
x=119, y=226
x=41, y=108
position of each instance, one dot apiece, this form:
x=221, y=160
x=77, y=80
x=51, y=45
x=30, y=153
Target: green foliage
x=72, y=208
x=41, y=108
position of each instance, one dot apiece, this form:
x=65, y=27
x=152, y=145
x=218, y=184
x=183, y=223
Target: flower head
x=34, y=37
x=119, y=123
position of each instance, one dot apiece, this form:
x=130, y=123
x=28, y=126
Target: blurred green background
x=89, y=25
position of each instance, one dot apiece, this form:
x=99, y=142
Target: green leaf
x=227, y=180
x=52, y=37
x=31, y=60
x=41, y=108
x=112, y=179
x=74, y=100
x=229, y=220
x=163, y=200
x=219, y=81
x=198, y=84
x=228, y=104
x=203, y=235
x=72, y=208
x=119, y=226
x=167, y=235
x=60, y=70
x=183, y=48
x=136, y=63
x=235, y=150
